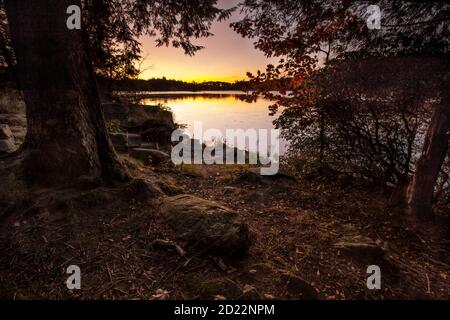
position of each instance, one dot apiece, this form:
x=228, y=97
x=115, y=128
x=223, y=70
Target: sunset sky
x=226, y=56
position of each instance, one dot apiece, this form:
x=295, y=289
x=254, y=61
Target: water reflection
x=216, y=110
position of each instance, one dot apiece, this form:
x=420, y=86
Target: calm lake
x=216, y=110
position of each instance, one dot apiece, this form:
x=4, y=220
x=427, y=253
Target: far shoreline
x=140, y=95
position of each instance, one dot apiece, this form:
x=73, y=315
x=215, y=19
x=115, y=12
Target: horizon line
x=191, y=81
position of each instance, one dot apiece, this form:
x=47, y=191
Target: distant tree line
x=163, y=84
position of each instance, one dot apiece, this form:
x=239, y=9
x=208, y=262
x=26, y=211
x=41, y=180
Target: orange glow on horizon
x=226, y=56
x=147, y=75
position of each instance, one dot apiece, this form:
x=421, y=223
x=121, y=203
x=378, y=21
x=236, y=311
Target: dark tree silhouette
x=114, y=27
x=66, y=137
x=310, y=32
x=434, y=151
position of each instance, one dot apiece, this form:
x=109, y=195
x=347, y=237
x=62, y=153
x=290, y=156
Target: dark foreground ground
x=111, y=232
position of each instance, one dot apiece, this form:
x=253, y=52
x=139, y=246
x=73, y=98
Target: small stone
x=5, y=132
x=254, y=196
x=253, y=174
x=7, y=146
x=228, y=190
x=302, y=289
x=249, y=292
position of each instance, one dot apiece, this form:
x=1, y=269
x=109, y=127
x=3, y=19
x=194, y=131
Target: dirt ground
x=110, y=232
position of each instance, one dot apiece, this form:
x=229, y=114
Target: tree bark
x=435, y=149
x=5, y=52
x=66, y=138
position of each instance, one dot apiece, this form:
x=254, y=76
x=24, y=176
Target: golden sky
x=226, y=56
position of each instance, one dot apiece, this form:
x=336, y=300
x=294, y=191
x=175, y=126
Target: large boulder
x=116, y=111
x=207, y=225
x=124, y=141
x=138, y=114
x=153, y=123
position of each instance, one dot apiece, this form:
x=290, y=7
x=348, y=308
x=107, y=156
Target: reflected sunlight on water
x=216, y=110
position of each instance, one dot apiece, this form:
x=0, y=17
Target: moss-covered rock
x=207, y=225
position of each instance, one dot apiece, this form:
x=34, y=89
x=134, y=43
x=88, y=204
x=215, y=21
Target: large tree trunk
x=66, y=137
x=435, y=148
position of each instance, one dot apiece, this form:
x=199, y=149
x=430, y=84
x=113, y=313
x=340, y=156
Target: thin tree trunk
x=66, y=137
x=322, y=118
x=435, y=149
x=322, y=137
